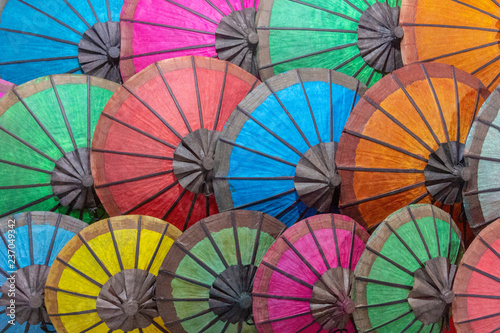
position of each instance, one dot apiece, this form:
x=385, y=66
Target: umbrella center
x=316, y=180
x=446, y=173
x=379, y=37
x=126, y=301
x=230, y=295
x=114, y=52
x=194, y=161
x=26, y=291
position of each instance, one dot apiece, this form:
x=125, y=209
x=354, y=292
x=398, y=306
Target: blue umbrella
x=276, y=153
x=39, y=38
x=29, y=244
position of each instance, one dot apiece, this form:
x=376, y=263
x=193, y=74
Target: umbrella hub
x=99, y=51
x=446, y=173
x=236, y=39
x=432, y=293
x=72, y=181
x=379, y=37
x=126, y=301
x=316, y=180
x=331, y=304
x=29, y=284
x=231, y=293
x=194, y=161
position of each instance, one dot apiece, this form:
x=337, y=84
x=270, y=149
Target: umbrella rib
x=339, y=47
x=29, y=222
x=488, y=190
x=487, y=123
x=330, y=82
x=477, y=9
x=362, y=169
x=36, y=150
x=108, y=8
x=16, y=62
x=389, y=322
x=39, y=35
x=257, y=239
x=461, y=51
x=492, y=81
x=92, y=327
x=449, y=26
x=383, y=195
x=6, y=327
x=70, y=292
x=404, y=243
x=115, y=244
x=93, y=11
x=407, y=327
x=199, y=314
x=132, y=154
x=370, y=77
x=158, y=326
x=389, y=260
x=89, y=131
x=387, y=145
x=478, y=296
x=192, y=12
x=190, y=212
x=287, y=209
x=353, y=6
x=52, y=241
x=201, y=284
x=307, y=326
x=335, y=240
x=207, y=206
x=219, y=107
x=307, y=29
x=297, y=127
x=210, y=324
x=151, y=198
x=301, y=257
x=309, y=105
x=257, y=178
x=382, y=304
x=285, y=318
x=416, y=107
x=197, y=88
x=495, y=252
x=360, y=69
x=353, y=233
x=167, y=51
x=165, y=299
x=437, y=233
x=129, y=180
x=477, y=270
x=176, y=202
x=32, y=203
x=153, y=257
x=17, y=187
x=77, y=14
x=73, y=313
x=157, y=115
x=419, y=231
x=264, y=200
x=2, y=235
x=356, y=94
x=485, y=65
x=398, y=123
x=139, y=131
x=94, y=255
x=215, y=7
x=197, y=260
x=236, y=239
x=51, y=17
x=301, y=216
x=291, y=277
x=325, y=10
x=214, y=245
x=138, y=246
x=318, y=245
x=288, y=298
x=79, y=272
x=167, y=26
x=230, y=6
x=479, y=318
x=278, y=159
x=277, y=137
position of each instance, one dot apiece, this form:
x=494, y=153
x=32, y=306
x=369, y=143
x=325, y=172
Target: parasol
x=459, y=33
x=481, y=195
x=104, y=278
x=205, y=282
x=154, y=30
x=276, y=154
x=30, y=243
x=46, y=126
x=59, y=36
x=5, y=87
x=404, y=278
x=154, y=144
x=358, y=38
x=476, y=284
x=305, y=279
x=404, y=142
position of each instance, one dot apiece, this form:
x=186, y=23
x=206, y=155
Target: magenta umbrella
x=153, y=30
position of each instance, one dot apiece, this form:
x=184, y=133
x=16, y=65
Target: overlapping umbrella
x=206, y=280
x=154, y=144
x=30, y=243
x=277, y=152
x=58, y=36
x=304, y=281
x=153, y=30
x=404, y=277
x=482, y=193
x=104, y=278
x=5, y=87
x=358, y=38
x=459, y=33
x=476, y=284
x=46, y=128
x=404, y=142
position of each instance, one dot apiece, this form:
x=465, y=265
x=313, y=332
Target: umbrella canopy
x=459, y=33
x=104, y=278
x=305, y=280
x=5, y=87
x=358, y=38
x=30, y=243
x=58, y=36
x=482, y=193
x=404, y=142
x=277, y=152
x=153, y=30
x=405, y=275
x=46, y=130
x=205, y=282
x=476, y=284
x=154, y=144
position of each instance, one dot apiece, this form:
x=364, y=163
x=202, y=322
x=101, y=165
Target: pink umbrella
x=5, y=87
x=153, y=30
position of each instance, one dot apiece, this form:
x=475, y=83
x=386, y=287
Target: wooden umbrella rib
x=222, y=90
x=457, y=103
x=477, y=9
x=215, y=7
x=192, y=12
x=461, y=51
x=301, y=216
x=496, y=2
x=129, y=180
x=40, y=36
x=477, y=270
x=4, y=273
x=71, y=71
x=278, y=159
x=287, y=209
x=79, y=272
x=153, y=257
x=308, y=29
x=198, y=283
x=76, y=313
x=485, y=243
x=370, y=77
x=93, y=11
x=199, y=314
x=6, y=327
x=257, y=178
x=17, y=187
x=478, y=296
x=257, y=239
x=196, y=259
x=70, y=292
x=151, y=198
x=32, y=203
x=210, y=324
x=133, y=154
x=16, y=62
x=353, y=234
x=408, y=209
x=360, y=69
x=264, y=200
x=353, y=6
x=285, y=318
x=407, y=327
x=185, y=48
x=307, y=326
x=318, y=245
x=476, y=108
x=356, y=94
x=487, y=123
x=176, y=202
x=214, y=244
x=29, y=222
x=165, y=299
x=485, y=65
x=437, y=233
x=288, y=298
x=224, y=329
x=108, y=8
x=188, y=217
x=6, y=244
x=77, y=14
x=389, y=260
x=309, y=105
x=92, y=327
x=236, y=239
x=398, y=236
x=325, y=10
x=290, y=276
x=63, y=112
x=167, y=26
x=335, y=240
x=479, y=318
x=197, y=89
x=449, y=26
x=301, y=257
x=27, y=144
x=330, y=82
x=230, y=6
x=362, y=169
x=389, y=322
x=138, y=242
x=115, y=244
x=491, y=83
x=382, y=304
x=487, y=190
x=207, y=206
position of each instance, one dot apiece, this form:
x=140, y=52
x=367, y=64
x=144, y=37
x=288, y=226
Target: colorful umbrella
x=404, y=278
x=154, y=144
x=30, y=243
x=46, y=126
x=459, y=33
x=305, y=280
x=154, y=30
x=482, y=193
x=277, y=152
x=54, y=37
x=358, y=38
x=5, y=87
x=104, y=278
x=404, y=142
x=476, y=284
x=205, y=282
